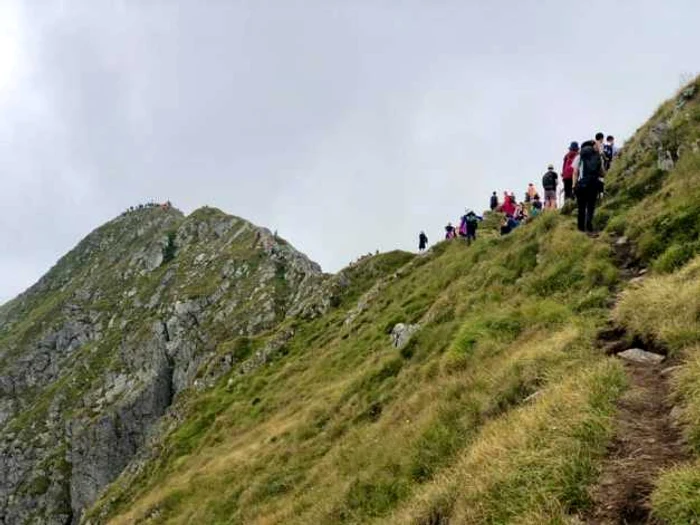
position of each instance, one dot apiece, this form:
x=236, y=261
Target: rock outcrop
x=94, y=354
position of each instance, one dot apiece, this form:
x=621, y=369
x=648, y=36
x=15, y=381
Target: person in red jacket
x=567, y=171
x=509, y=205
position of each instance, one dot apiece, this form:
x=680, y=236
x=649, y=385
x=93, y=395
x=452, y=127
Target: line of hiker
x=151, y=204
x=582, y=175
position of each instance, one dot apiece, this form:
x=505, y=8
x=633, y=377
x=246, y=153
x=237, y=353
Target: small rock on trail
x=638, y=355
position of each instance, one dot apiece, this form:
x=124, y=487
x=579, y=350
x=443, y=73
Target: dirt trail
x=646, y=440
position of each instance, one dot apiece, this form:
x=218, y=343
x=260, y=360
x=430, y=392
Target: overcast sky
x=348, y=126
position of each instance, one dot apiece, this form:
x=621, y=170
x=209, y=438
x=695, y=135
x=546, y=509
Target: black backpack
x=549, y=181
x=591, y=168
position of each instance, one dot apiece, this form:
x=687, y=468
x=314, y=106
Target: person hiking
x=462, y=230
x=536, y=206
x=422, y=242
x=549, y=183
x=567, y=171
x=531, y=192
x=450, y=231
x=471, y=221
x=508, y=205
x=505, y=226
x=588, y=173
x=600, y=147
x=609, y=151
x=494, y=202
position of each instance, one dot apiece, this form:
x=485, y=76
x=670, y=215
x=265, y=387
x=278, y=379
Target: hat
x=550, y=167
x=573, y=146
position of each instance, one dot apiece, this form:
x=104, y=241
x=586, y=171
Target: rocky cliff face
x=95, y=353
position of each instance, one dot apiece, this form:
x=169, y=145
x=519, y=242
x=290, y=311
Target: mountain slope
x=347, y=427
x=95, y=352
x=235, y=383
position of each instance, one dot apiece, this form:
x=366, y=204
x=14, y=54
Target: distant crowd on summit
x=151, y=204
x=582, y=175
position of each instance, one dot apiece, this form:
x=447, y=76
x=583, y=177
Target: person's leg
x=581, y=199
x=590, y=208
x=568, y=184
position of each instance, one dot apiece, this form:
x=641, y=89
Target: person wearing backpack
x=422, y=242
x=567, y=171
x=609, y=151
x=450, y=232
x=471, y=220
x=588, y=174
x=494, y=202
x=549, y=182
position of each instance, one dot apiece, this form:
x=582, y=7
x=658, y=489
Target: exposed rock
x=402, y=333
x=665, y=160
x=113, y=343
x=641, y=356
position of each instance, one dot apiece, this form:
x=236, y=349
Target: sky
x=347, y=126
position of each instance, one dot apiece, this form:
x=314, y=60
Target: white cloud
x=347, y=127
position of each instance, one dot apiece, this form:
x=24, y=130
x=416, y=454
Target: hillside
x=198, y=369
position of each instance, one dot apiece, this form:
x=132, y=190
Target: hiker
x=536, y=206
x=549, y=182
x=609, y=151
x=600, y=147
x=450, y=231
x=422, y=242
x=531, y=192
x=505, y=226
x=508, y=205
x=471, y=221
x=494, y=202
x=567, y=171
x=588, y=174
x=513, y=223
x=462, y=231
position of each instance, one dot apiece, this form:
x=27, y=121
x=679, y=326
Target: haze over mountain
x=346, y=127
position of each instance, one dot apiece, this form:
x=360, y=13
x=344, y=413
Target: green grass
x=499, y=409
x=343, y=428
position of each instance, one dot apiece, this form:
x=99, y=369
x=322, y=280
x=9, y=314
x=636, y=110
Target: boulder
x=402, y=333
x=638, y=355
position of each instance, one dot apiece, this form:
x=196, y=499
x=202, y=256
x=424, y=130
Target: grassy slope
x=660, y=212
x=346, y=429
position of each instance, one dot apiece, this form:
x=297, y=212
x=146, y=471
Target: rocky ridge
x=94, y=354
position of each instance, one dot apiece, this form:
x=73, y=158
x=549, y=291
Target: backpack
x=591, y=169
x=549, y=181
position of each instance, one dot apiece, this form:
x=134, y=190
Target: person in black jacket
x=422, y=242
x=549, y=183
x=588, y=174
x=494, y=201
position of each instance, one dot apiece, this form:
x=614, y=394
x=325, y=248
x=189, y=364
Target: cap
x=573, y=146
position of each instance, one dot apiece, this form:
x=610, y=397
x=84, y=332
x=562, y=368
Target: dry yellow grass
x=664, y=308
x=517, y=466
